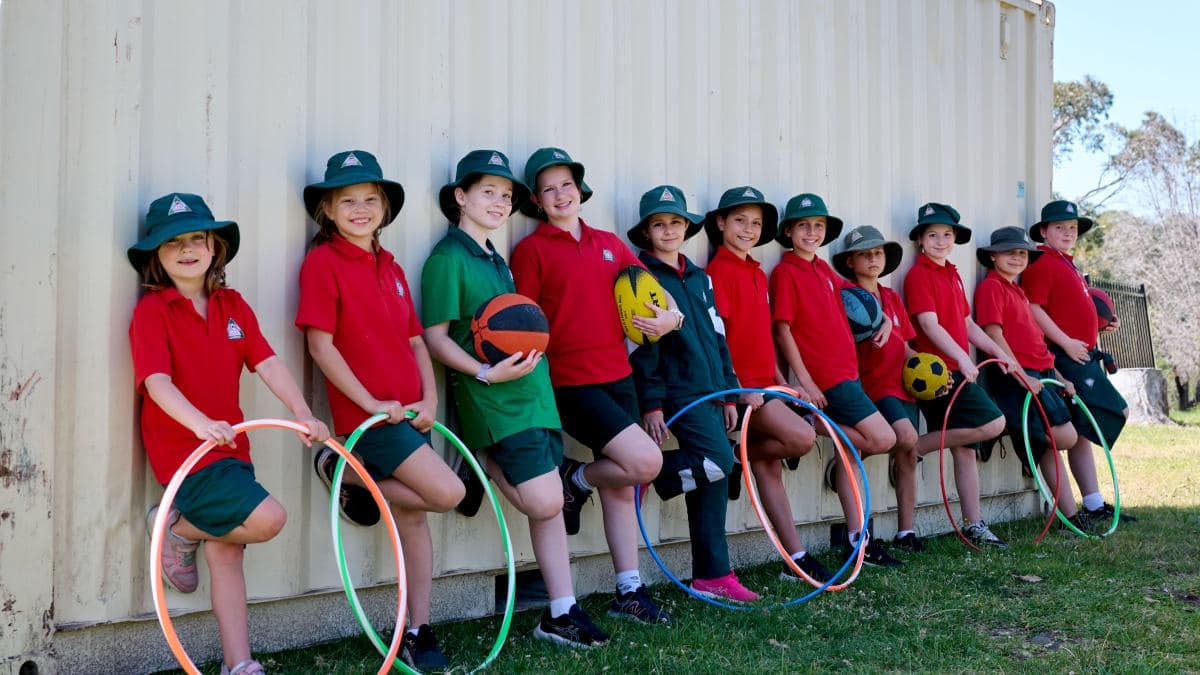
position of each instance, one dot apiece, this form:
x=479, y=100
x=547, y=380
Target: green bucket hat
x=1006, y=239
x=865, y=238
x=542, y=159
x=477, y=163
x=351, y=167
x=802, y=206
x=663, y=199
x=178, y=213
x=940, y=214
x=742, y=195
x=1057, y=211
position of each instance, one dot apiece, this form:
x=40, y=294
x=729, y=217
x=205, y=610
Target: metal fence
x=1131, y=346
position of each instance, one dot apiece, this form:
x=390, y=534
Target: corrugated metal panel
x=878, y=106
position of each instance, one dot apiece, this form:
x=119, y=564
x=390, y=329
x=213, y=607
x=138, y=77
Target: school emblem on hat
x=177, y=206
x=234, y=331
x=1070, y=208
x=351, y=160
x=559, y=155
x=495, y=159
x=855, y=237
x=608, y=256
x=666, y=196
x=399, y=288
x=750, y=193
x=806, y=202
x=929, y=210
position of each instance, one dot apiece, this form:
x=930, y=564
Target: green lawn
x=1128, y=603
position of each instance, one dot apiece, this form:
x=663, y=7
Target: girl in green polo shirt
x=506, y=409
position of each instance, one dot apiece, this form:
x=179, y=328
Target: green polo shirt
x=458, y=277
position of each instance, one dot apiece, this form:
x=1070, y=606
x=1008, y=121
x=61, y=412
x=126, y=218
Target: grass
x=1187, y=417
x=1129, y=603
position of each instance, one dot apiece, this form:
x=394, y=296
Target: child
x=569, y=269
x=1003, y=311
x=743, y=220
x=1063, y=309
x=814, y=338
x=362, y=331
x=190, y=337
x=507, y=409
x=865, y=258
x=681, y=367
x=938, y=303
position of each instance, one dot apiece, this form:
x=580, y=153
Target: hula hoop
x=160, y=525
x=339, y=550
x=637, y=498
x=942, y=465
x=1037, y=478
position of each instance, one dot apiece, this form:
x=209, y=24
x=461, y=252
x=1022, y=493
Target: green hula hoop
x=1037, y=474
x=347, y=583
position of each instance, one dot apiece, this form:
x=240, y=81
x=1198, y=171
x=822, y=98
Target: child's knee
x=266, y=521
x=542, y=505
x=448, y=497
x=992, y=429
x=644, y=466
x=1065, y=436
x=906, y=443
x=799, y=440
x=881, y=441
x=221, y=554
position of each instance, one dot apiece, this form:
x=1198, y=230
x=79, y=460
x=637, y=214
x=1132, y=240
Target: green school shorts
x=385, y=447
x=1097, y=391
x=527, y=454
x=972, y=409
x=895, y=409
x=220, y=496
x=847, y=403
x=1009, y=396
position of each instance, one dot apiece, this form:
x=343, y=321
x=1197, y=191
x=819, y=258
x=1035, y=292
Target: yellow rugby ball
x=634, y=288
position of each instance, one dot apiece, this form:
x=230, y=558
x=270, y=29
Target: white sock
x=413, y=631
x=628, y=581
x=904, y=533
x=560, y=606
x=1093, y=501
x=853, y=536
x=799, y=556
x=581, y=481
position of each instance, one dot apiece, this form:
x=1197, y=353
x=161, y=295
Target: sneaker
x=811, y=566
x=727, y=587
x=735, y=478
x=637, y=606
x=421, y=651
x=980, y=535
x=178, y=554
x=574, y=497
x=355, y=502
x=875, y=556
x=909, y=542
x=792, y=463
x=1083, y=522
x=473, y=497
x=1105, y=514
x=247, y=667
x=573, y=629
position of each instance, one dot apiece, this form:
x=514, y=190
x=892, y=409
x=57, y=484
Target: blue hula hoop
x=637, y=501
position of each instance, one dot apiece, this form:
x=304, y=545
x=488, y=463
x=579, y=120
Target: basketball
x=1106, y=313
x=634, y=288
x=862, y=311
x=925, y=376
x=507, y=324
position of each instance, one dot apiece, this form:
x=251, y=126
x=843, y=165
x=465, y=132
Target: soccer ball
x=926, y=376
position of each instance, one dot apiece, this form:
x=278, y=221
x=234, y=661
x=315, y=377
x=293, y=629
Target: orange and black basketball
x=507, y=324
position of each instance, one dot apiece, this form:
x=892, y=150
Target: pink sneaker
x=178, y=555
x=724, y=588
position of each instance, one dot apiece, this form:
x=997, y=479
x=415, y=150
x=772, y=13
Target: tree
x=1080, y=112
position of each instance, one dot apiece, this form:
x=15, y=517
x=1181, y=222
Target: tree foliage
x=1080, y=113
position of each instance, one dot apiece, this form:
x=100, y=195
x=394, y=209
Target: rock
x=1145, y=390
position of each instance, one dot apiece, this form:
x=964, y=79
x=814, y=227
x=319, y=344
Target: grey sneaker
x=178, y=554
x=980, y=535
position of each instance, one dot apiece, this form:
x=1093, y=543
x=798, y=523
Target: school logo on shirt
x=496, y=159
x=234, y=331
x=750, y=193
x=177, y=206
x=399, y=288
x=806, y=202
x=351, y=160
x=666, y=196
x=608, y=256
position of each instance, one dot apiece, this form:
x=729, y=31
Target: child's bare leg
x=413, y=527
x=905, y=456
x=620, y=526
x=768, y=477
x=966, y=479
x=1083, y=465
x=423, y=482
x=778, y=433
x=630, y=458
x=229, y=599
x=871, y=436
x=1056, y=482
x=541, y=500
x=263, y=523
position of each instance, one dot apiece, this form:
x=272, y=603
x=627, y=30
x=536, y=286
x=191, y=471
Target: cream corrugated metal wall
x=878, y=106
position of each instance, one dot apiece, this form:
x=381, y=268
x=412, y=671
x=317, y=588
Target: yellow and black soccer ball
x=926, y=376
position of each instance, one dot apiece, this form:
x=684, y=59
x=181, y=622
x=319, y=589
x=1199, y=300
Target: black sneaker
x=573, y=629
x=909, y=542
x=811, y=566
x=574, y=497
x=355, y=502
x=792, y=463
x=735, y=479
x=421, y=651
x=1083, y=522
x=637, y=606
x=1105, y=514
x=876, y=555
x=473, y=497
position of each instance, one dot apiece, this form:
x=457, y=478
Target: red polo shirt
x=806, y=294
x=204, y=357
x=363, y=300
x=881, y=368
x=1002, y=302
x=740, y=291
x=1054, y=282
x=573, y=282
x=930, y=287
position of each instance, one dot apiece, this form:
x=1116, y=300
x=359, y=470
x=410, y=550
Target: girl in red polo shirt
x=569, y=269
x=364, y=333
x=742, y=221
x=190, y=338
x=937, y=301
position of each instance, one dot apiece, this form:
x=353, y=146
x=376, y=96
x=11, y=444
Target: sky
x=1147, y=52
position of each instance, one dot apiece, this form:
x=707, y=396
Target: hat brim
x=769, y=228
x=983, y=253
x=637, y=234
x=893, y=253
x=833, y=230
x=962, y=233
x=449, y=204
x=1035, y=232
x=536, y=212
x=182, y=224
x=393, y=190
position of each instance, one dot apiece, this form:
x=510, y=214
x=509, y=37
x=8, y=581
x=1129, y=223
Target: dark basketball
x=507, y=324
x=862, y=311
x=1106, y=313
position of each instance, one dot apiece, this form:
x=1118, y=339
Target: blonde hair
x=326, y=228
x=155, y=277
